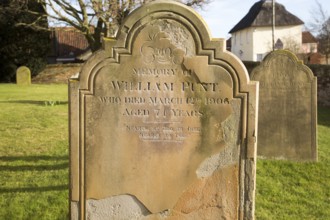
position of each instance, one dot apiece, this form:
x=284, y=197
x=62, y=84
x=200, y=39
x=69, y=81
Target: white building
x=252, y=36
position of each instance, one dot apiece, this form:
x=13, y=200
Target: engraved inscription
x=168, y=108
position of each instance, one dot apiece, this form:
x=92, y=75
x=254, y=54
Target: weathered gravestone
x=163, y=124
x=287, y=108
x=23, y=76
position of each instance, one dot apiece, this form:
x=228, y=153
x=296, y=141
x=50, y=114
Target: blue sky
x=222, y=15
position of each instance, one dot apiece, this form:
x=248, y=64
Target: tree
x=94, y=18
x=290, y=43
x=324, y=40
x=21, y=45
x=321, y=26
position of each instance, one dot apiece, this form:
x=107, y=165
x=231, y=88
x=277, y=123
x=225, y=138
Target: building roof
x=260, y=15
x=67, y=42
x=307, y=37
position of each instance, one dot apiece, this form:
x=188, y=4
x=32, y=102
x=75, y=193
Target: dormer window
x=278, y=44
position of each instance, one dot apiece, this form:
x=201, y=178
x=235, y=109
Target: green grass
x=33, y=152
x=292, y=190
x=34, y=163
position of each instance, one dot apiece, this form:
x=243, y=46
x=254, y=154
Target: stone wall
x=323, y=83
x=323, y=80
x=57, y=73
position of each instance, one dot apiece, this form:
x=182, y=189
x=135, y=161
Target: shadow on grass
x=42, y=167
x=13, y=164
x=35, y=189
x=35, y=167
x=36, y=102
x=33, y=158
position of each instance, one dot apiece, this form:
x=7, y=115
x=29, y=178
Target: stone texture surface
x=116, y=207
x=207, y=198
x=23, y=76
x=160, y=126
x=287, y=108
x=74, y=210
x=211, y=198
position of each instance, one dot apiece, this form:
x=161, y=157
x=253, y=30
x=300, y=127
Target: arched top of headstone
x=23, y=68
x=280, y=60
x=202, y=44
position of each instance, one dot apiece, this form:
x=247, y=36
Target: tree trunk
x=97, y=36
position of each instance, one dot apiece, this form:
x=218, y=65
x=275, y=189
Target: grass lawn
x=291, y=190
x=33, y=152
x=34, y=163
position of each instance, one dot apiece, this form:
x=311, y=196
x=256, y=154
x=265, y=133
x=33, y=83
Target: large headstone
x=287, y=108
x=23, y=76
x=163, y=124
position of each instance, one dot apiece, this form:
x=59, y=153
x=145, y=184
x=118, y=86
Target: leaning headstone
x=287, y=108
x=163, y=124
x=23, y=76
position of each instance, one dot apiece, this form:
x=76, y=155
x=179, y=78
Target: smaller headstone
x=23, y=76
x=287, y=108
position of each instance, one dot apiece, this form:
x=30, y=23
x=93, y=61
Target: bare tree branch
x=105, y=16
x=320, y=26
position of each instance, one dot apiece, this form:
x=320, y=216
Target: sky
x=222, y=15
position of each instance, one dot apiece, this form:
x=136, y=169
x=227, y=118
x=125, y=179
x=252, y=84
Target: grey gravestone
x=163, y=124
x=23, y=76
x=287, y=108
